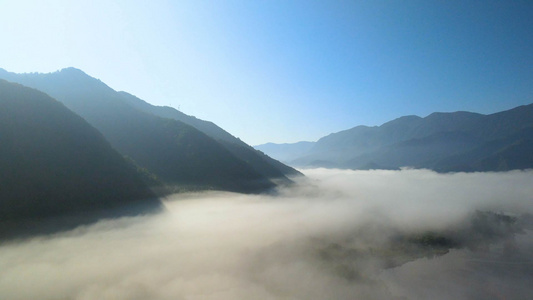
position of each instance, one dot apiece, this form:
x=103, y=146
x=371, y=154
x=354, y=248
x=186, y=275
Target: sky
x=285, y=71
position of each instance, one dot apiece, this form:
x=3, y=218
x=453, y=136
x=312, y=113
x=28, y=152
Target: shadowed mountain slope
x=262, y=163
x=179, y=155
x=53, y=163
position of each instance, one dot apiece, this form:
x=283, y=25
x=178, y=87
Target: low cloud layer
x=410, y=234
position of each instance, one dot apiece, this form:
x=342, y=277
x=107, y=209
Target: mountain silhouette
x=445, y=142
x=177, y=154
x=53, y=163
x=261, y=163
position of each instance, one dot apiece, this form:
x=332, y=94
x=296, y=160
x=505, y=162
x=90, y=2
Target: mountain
x=285, y=152
x=179, y=155
x=458, y=141
x=507, y=153
x=53, y=163
x=261, y=163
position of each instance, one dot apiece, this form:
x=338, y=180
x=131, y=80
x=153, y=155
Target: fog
x=336, y=234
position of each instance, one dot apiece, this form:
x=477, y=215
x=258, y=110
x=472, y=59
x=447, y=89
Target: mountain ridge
x=443, y=142
x=52, y=162
x=181, y=156
x=259, y=161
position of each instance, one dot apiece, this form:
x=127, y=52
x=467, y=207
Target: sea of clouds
x=333, y=235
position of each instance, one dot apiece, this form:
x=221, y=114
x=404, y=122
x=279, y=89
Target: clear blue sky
x=285, y=71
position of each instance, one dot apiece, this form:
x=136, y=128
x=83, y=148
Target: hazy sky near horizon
x=285, y=71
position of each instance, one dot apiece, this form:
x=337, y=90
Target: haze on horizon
x=281, y=71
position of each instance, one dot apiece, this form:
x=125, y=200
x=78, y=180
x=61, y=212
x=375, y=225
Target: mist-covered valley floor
x=336, y=234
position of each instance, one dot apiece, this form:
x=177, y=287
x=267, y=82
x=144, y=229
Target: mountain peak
x=73, y=72
x=68, y=71
x=449, y=114
x=401, y=120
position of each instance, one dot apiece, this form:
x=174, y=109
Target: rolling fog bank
x=337, y=234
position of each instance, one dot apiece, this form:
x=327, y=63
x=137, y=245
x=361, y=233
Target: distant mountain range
x=174, y=151
x=444, y=142
x=52, y=162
